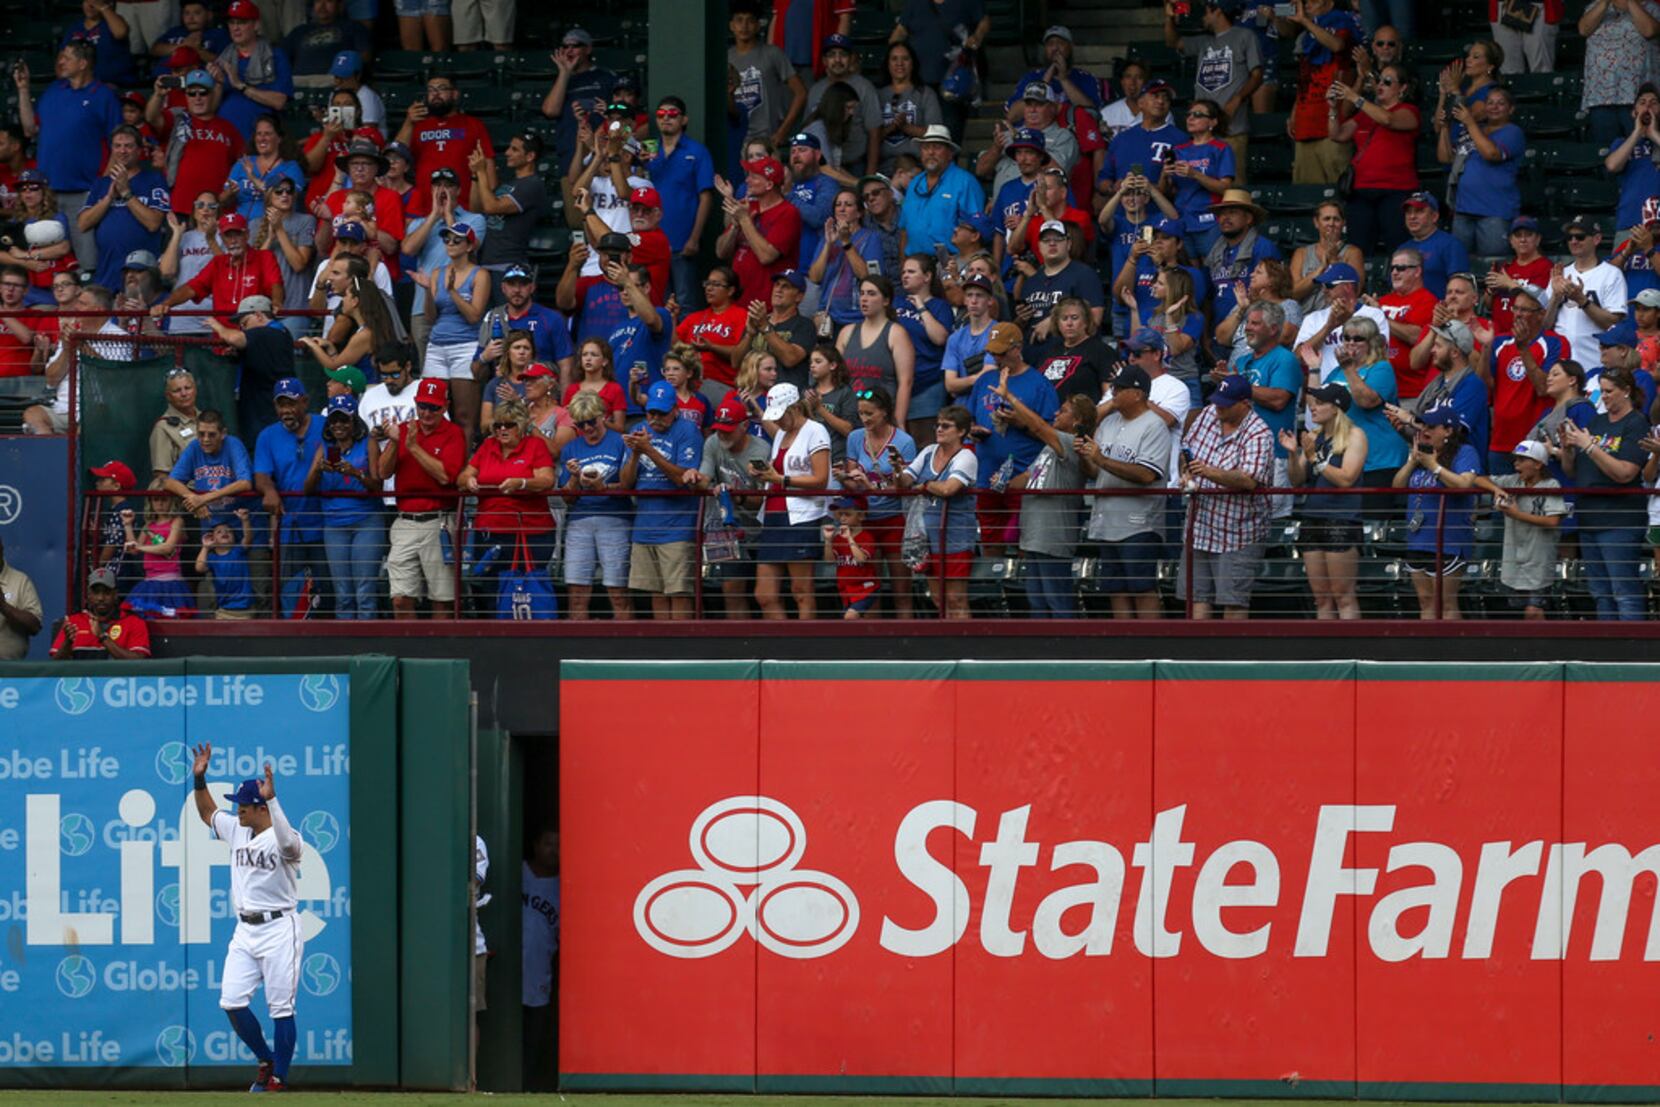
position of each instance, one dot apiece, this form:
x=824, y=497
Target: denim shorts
x=412, y=9
x=927, y=402
x=601, y=540
x=782, y=541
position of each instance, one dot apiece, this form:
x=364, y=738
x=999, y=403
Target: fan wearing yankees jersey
x=265, y=861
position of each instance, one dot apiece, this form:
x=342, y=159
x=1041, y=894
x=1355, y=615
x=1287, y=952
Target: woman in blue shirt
x=354, y=526
x=1487, y=195
x=1203, y=168
x=844, y=259
x=1363, y=368
x=921, y=308
x=596, y=527
x=259, y=169
x=1439, y=458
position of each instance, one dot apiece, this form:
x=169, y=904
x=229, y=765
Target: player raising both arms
x=265, y=859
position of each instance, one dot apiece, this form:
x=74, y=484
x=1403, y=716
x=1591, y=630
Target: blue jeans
x=1611, y=556
x=1049, y=587
x=355, y=551
x=1500, y=463
x=1482, y=235
x=686, y=283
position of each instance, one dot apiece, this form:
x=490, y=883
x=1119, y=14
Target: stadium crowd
x=859, y=343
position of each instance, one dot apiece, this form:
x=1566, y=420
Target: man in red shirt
x=439, y=136
x=1528, y=271
x=423, y=458
x=651, y=245
x=364, y=162
x=1409, y=306
x=231, y=276
x=763, y=233
x=101, y=632
x=17, y=339
x=201, y=146
x=1522, y=361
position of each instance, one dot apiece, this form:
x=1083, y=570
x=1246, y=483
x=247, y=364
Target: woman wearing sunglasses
x=876, y=452
x=1203, y=169
x=511, y=472
x=596, y=527
x=1385, y=136
x=790, y=543
x=36, y=203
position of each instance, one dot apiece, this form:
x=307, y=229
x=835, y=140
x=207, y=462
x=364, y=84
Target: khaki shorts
x=1320, y=161
x=415, y=557
x=664, y=569
x=227, y=613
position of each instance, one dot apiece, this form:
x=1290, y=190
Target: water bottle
x=1005, y=473
x=495, y=326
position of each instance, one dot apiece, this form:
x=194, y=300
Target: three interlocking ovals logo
x=175, y=1046
x=750, y=842
x=74, y=695
x=75, y=976
x=319, y=691
x=173, y=762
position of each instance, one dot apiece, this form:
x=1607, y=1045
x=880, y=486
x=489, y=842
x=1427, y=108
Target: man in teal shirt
x=940, y=197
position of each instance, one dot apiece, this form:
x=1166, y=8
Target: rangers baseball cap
x=1421, y=199
x=242, y=9
x=795, y=278
x=731, y=414
x=1234, y=389
x=1028, y=138
x=979, y=281
x=661, y=399
x=433, y=391
x=1004, y=337
x=347, y=63
x=118, y=471
x=341, y=405
x=646, y=197
x=767, y=168
x=289, y=388
x=1337, y=273
x=247, y=795
x=233, y=222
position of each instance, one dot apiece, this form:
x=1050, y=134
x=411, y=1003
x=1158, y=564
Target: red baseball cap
x=116, y=471
x=184, y=58
x=433, y=392
x=731, y=414
x=242, y=9
x=770, y=168
x=645, y=197
x=233, y=221
x=536, y=370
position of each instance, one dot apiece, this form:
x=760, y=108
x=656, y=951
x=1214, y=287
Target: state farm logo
x=754, y=843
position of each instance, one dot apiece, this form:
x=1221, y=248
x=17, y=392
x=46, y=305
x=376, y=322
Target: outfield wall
x=1130, y=878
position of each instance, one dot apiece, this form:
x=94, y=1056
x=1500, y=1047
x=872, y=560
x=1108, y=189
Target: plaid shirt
x=1227, y=524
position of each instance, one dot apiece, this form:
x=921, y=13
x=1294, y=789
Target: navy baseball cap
x=342, y=405
x=1146, y=339
x=1442, y=415
x=836, y=42
x=1623, y=333
x=980, y=223
x=1029, y=137
x=1132, y=376
x=1524, y=223
x=289, y=387
x=1422, y=199
x=1171, y=227
x=351, y=231
x=247, y=795
x=1338, y=273
x=796, y=278
x=807, y=139
x=661, y=398
x=1234, y=389
x=516, y=272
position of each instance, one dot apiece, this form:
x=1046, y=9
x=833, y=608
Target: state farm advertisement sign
x=1142, y=878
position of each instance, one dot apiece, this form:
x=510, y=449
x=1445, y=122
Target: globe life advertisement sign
x=115, y=897
x=1329, y=878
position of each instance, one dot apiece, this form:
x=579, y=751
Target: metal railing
x=1436, y=570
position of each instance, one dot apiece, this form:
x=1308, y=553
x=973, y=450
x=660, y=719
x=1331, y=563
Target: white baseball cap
x=780, y=398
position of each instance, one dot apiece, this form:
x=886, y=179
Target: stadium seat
x=399, y=65
x=1437, y=51
x=1269, y=126
x=531, y=65
x=1574, y=195
x=464, y=64
x=1565, y=157
x=1292, y=199
x=1548, y=120
x=487, y=103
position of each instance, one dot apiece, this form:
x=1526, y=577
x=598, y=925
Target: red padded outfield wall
x=1160, y=878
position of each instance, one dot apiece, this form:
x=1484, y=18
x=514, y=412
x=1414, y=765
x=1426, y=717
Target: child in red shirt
x=850, y=544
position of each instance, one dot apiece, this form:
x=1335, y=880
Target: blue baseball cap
x=247, y=795
x=351, y=231
x=1442, y=415
x=1174, y=228
x=796, y=278
x=1623, y=333
x=1524, y=223
x=1146, y=339
x=807, y=139
x=1234, y=389
x=981, y=224
x=517, y=272
x=661, y=397
x=1422, y=199
x=198, y=78
x=347, y=63
x=289, y=387
x=836, y=42
x=1337, y=273
x=346, y=404
x=1029, y=137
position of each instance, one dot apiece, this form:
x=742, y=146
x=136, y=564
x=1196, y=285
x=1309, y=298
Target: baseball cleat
x=262, y=1082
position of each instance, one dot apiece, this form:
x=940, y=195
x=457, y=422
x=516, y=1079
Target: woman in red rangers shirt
x=717, y=332
x=511, y=473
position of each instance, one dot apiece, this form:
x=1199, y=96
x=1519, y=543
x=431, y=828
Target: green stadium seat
x=398, y=65
x=37, y=34
x=1292, y=199
x=1268, y=161
x=462, y=65
x=397, y=99
x=1533, y=88
x=1566, y=157
x=1548, y=120
x=1437, y=51
x=488, y=102
x=1582, y=195
x=531, y=65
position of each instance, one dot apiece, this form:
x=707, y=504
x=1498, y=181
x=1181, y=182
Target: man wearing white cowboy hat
x=1238, y=247
x=940, y=196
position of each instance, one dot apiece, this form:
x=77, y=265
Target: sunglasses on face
x=502, y=425
x=429, y=408
x=1385, y=43
x=1578, y=236
x=1200, y=115
x=207, y=205
x=1402, y=268
x=716, y=284
x=668, y=113
x=31, y=188
x=1388, y=81
x=196, y=91
x=584, y=424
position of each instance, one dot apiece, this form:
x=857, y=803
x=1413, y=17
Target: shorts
x=1221, y=579
x=887, y=535
x=999, y=516
x=1129, y=565
x=60, y=421
x=1653, y=537
x=927, y=402
x=665, y=568
x=782, y=541
x=865, y=604
x=601, y=540
x=1423, y=561
x=453, y=363
x=415, y=557
x=957, y=566
x=236, y=613
x=1520, y=598
x=414, y=9
x=1320, y=535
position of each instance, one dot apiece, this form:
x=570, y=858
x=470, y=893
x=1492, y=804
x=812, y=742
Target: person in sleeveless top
x=1332, y=456
x=458, y=293
x=877, y=349
x=1308, y=262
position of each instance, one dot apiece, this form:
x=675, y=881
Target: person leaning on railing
x=596, y=527
x=1439, y=536
x=1609, y=454
x=511, y=472
x=1332, y=456
x=1231, y=448
x=945, y=471
x=423, y=458
x=1049, y=524
x=354, y=526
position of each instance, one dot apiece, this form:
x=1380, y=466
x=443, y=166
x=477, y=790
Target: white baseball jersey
x=263, y=865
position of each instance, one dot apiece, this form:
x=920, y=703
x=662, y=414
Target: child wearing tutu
x=163, y=593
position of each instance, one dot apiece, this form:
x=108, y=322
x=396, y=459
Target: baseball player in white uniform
x=265, y=858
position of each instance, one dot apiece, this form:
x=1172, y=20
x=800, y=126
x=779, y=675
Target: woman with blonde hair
x=1332, y=456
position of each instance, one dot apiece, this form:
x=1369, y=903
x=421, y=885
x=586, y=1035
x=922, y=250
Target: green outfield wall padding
x=499, y=1066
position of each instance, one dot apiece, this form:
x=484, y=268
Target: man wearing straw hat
x=940, y=196
x=1238, y=247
